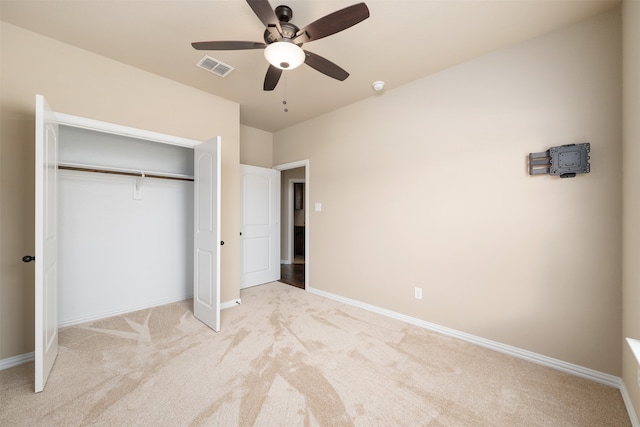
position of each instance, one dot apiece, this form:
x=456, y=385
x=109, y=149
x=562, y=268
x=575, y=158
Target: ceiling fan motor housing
x=289, y=31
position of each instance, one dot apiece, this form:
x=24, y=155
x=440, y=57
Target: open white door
x=260, y=225
x=46, y=242
x=206, y=277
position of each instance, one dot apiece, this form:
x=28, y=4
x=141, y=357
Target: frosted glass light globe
x=284, y=55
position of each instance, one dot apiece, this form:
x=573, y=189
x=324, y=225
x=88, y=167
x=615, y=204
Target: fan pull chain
x=284, y=100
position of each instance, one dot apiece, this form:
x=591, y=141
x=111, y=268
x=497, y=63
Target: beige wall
x=256, y=147
x=631, y=194
x=427, y=186
x=84, y=84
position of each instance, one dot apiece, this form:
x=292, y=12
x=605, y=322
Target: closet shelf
x=119, y=171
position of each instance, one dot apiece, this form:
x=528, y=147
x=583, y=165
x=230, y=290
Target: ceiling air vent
x=214, y=66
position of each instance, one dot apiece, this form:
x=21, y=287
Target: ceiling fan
x=283, y=40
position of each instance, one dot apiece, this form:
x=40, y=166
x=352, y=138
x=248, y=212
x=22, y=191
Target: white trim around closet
x=97, y=125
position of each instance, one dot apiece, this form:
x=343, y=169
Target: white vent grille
x=214, y=66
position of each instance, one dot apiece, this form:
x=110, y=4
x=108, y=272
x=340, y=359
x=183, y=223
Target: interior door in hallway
x=260, y=225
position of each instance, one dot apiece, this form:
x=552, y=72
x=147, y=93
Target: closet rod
x=117, y=172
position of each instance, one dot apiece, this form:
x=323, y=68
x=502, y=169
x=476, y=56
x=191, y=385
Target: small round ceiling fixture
x=379, y=85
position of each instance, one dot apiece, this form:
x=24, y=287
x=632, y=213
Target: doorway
x=294, y=222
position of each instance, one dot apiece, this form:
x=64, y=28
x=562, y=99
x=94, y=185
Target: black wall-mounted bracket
x=565, y=160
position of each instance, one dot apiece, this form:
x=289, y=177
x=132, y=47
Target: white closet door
x=206, y=290
x=46, y=243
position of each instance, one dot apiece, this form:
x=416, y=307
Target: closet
x=125, y=219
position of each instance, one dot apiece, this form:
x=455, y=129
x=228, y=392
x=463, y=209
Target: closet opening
x=112, y=243
x=125, y=224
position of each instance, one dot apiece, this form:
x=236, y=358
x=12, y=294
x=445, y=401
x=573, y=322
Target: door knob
x=221, y=242
x=28, y=258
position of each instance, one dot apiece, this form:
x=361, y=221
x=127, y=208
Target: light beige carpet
x=286, y=357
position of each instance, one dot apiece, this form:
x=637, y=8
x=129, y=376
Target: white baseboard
x=581, y=371
x=629, y=404
x=12, y=361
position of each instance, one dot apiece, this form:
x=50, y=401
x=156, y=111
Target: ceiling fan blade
x=272, y=78
x=333, y=23
x=227, y=45
x=265, y=13
x=325, y=66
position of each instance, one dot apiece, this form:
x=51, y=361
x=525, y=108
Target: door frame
x=295, y=165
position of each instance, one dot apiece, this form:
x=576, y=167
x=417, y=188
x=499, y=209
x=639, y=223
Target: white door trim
x=112, y=128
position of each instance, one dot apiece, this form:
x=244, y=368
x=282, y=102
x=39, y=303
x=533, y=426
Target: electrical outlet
x=418, y=293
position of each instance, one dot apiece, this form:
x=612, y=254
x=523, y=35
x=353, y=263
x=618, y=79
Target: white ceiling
x=401, y=41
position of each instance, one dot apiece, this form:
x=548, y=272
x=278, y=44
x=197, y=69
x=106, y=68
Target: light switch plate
x=318, y=207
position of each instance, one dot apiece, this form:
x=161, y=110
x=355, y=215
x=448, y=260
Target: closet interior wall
x=125, y=242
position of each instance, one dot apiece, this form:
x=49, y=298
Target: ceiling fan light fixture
x=284, y=55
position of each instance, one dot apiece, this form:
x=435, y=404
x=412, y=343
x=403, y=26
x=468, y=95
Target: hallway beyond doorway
x=293, y=274
x=294, y=223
